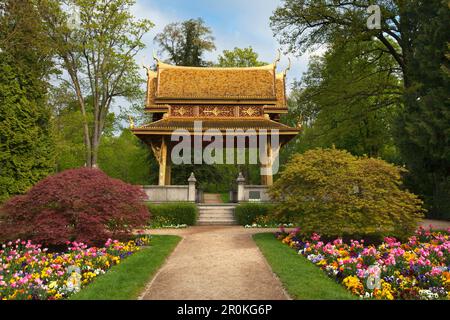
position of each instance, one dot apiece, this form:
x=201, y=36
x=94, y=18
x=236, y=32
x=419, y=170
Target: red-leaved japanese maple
x=75, y=205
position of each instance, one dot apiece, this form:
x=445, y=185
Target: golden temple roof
x=171, y=124
x=198, y=83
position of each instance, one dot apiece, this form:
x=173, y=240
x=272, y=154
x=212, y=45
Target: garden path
x=212, y=198
x=215, y=263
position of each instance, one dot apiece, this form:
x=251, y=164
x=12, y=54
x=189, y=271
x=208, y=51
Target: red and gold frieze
x=250, y=111
x=216, y=111
x=182, y=111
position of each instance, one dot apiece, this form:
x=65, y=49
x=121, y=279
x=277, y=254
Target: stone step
x=216, y=217
x=216, y=223
x=216, y=214
x=216, y=206
x=213, y=211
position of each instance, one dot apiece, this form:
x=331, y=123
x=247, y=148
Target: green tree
x=238, y=57
x=305, y=24
x=26, y=142
x=186, y=42
x=423, y=128
x=98, y=57
x=126, y=158
x=68, y=119
x=348, y=98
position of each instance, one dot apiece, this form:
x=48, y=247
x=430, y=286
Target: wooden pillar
x=168, y=181
x=267, y=179
x=164, y=163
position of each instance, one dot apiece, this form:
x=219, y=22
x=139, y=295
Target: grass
x=225, y=196
x=127, y=280
x=301, y=279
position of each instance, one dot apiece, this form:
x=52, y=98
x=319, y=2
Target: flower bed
x=28, y=271
x=416, y=269
x=268, y=225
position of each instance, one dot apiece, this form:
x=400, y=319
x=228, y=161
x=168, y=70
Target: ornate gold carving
x=216, y=111
x=156, y=148
x=182, y=111
x=281, y=92
x=251, y=112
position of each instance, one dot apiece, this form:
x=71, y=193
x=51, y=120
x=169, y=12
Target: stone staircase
x=216, y=215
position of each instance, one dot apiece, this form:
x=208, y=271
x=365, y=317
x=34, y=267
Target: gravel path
x=215, y=263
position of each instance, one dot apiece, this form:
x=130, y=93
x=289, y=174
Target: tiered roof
x=167, y=125
x=198, y=85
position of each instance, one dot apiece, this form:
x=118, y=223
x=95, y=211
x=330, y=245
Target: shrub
x=336, y=194
x=247, y=213
x=75, y=205
x=175, y=213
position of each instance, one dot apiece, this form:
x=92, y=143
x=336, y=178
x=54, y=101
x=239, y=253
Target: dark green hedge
x=248, y=212
x=176, y=213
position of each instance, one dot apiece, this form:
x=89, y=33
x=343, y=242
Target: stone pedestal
x=240, y=186
x=192, y=190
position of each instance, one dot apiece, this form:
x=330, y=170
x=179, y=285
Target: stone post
x=241, y=184
x=192, y=191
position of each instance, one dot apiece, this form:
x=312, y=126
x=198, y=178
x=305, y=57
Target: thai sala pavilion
x=248, y=101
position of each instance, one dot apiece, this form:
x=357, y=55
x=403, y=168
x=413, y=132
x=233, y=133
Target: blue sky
x=235, y=23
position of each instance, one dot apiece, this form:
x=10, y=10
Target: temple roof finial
x=155, y=57
x=289, y=67
x=131, y=120
x=278, y=57
x=146, y=67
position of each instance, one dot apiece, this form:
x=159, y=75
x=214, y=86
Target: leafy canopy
x=240, y=58
x=349, y=97
x=98, y=56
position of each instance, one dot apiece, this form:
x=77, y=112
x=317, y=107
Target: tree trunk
x=87, y=142
x=95, y=146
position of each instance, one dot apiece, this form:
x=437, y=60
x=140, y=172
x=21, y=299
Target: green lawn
x=302, y=279
x=127, y=280
x=225, y=196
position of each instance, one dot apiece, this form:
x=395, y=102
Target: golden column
x=165, y=163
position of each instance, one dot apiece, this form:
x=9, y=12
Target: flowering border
x=30, y=272
x=416, y=269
